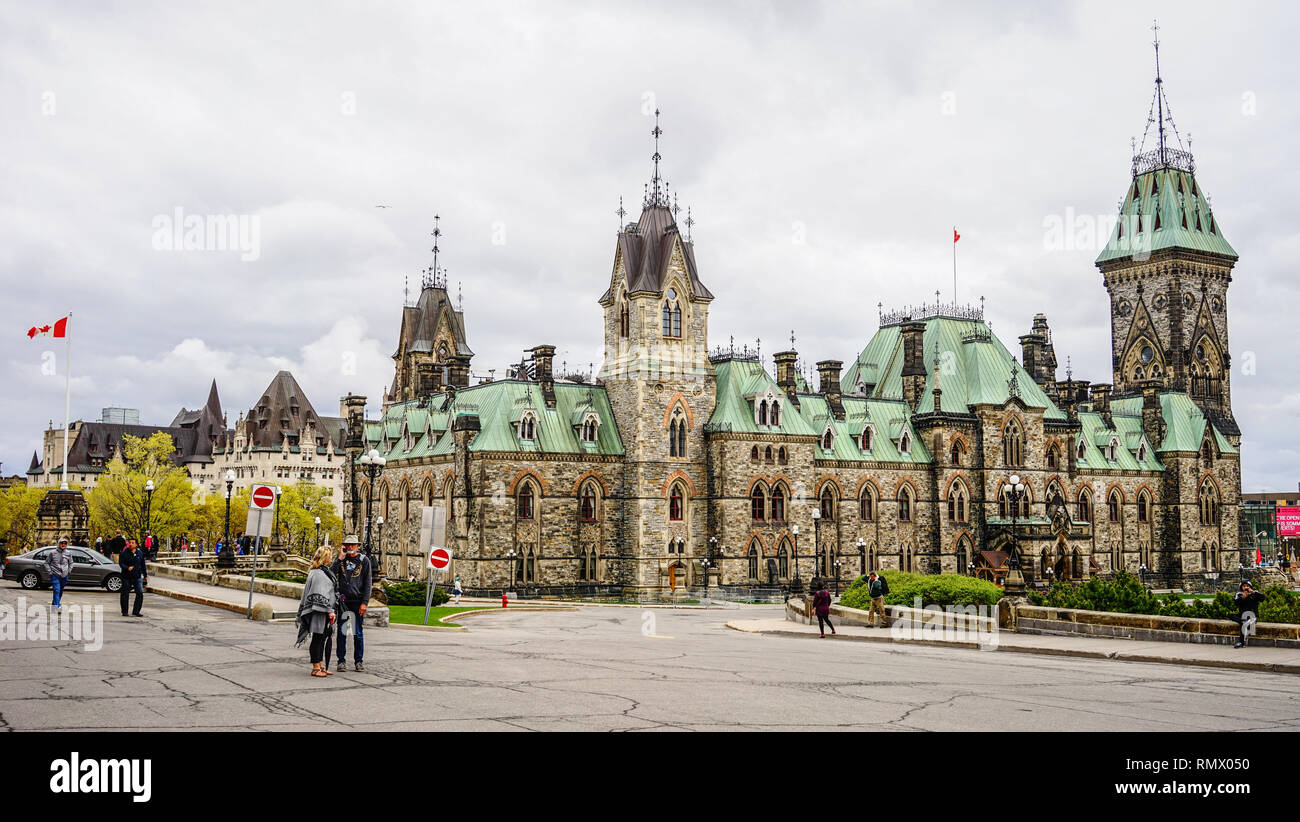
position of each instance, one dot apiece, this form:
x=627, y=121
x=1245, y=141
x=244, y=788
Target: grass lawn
x=414, y=614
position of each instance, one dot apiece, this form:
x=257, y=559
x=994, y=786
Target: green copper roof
x=975, y=368
x=412, y=432
x=1185, y=422
x=1171, y=210
x=1096, y=438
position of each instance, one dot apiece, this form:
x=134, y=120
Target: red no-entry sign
x=263, y=496
x=439, y=559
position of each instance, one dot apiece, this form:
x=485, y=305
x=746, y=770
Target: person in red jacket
x=822, y=605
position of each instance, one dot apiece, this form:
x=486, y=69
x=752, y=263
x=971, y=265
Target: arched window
x=828, y=504
x=867, y=505
x=1013, y=444
x=672, y=315
x=775, y=414
x=1207, y=454
x=589, y=429
x=1208, y=497
x=757, y=504
x=677, y=434
x=767, y=454
x=865, y=439
x=1144, y=504
x=675, y=503
x=905, y=504
x=587, y=505
x=783, y=560
x=524, y=501
x=528, y=426
x=1053, y=456
x=828, y=439
x=1083, y=449
x=905, y=444
x=957, y=503
x=780, y=456
x=1112, y=505
x=1085, y=506
x=954, y=455
x=530, y=566
x=624, y=320
x=762, y=413
x=753, y=560
x=753, y=453
x=778, y=504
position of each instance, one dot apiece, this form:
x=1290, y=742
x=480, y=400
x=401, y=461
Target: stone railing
x=1032, y=619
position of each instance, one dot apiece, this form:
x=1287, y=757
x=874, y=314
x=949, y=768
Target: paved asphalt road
x=187, y=666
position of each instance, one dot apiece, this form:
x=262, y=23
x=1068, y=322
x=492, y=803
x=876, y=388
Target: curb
x=459, y=616
x=1121, y=656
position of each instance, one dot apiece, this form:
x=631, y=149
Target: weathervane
x=622, y=212
x=654, y=196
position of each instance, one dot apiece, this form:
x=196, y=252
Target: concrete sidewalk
x=1274, y=660
x=216, y=596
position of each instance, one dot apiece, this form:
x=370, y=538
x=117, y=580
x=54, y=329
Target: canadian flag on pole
x=59, y=329
x=955, y=235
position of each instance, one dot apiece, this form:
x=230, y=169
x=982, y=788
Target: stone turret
x=828, y=372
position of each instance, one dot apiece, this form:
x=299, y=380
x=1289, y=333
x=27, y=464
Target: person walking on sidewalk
x=58, y=564
x=135, y=575
x=877, y=588
x=456, y=589
x=116, y=544
x=316, y=609
x=1248, y=600
x=353, y=573
x=822, y=605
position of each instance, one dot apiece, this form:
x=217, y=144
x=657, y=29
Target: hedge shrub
x=412, y=593
x=933, y=589
x=1125, y=594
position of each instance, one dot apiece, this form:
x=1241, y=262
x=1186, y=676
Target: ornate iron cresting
x=1164, y=158
x=723, y=353
x=926, y=311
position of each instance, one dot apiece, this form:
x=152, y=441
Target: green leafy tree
x=118, y=500
x=299, y=506
x=18, y=505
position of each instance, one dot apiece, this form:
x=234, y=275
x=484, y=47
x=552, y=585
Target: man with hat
x=58, y=564
x=352, y=570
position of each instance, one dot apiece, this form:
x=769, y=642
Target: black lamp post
x=861, y=545
x=510, y=557
x=148, y=504
x=970, y=569
x=817, y=548
x=317, y=545
x=1142, y=573
x=797, y=583
x=838, y=563
x=226, y=559
x=372, y=463
x=379, y=537
x=1014, y=585
x=709, y=554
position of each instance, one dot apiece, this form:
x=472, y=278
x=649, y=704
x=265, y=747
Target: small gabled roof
x=646, y=251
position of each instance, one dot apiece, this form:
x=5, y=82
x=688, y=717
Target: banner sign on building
x=1288, y=520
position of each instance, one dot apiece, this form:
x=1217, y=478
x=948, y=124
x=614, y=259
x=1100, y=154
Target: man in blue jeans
x=135, y=575
x=352, y=570
x=58, y=564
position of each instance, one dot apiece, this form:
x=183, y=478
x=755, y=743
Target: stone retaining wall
x=1032, y=619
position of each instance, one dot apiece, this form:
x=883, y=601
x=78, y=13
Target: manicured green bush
x=933, y=589
x=412, y=593
x=1125, y=594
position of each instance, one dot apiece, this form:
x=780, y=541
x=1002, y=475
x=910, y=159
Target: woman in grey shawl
x=316, y=610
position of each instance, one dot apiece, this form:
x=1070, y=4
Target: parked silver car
x=89, y=567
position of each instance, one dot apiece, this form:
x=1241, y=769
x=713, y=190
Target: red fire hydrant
x=504, y=601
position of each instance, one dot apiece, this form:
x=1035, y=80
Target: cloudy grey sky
x=826, y=151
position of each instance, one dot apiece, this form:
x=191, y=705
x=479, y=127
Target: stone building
x=685, y=466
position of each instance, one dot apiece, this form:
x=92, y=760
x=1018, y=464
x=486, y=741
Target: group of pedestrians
x=877, y=588
x=131, y=561
x=334, y=600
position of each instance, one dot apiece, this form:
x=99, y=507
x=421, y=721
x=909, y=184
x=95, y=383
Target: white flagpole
x=954, y=265
x=67, y=399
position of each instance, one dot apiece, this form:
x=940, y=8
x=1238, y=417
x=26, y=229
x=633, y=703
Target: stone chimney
x=785, y=372
x=426, y=380
x=1153, y=419
x=1037, y=352
x=1101, y=401
x=543, y=358
x=828, y=372
x=913, y=362
x=458, y=370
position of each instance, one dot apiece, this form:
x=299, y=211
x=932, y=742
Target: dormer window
x=528, y=426
x=1112, y=450
x=589, y=428
x=905, y=444
x=776, y=413
x=828, y=439
x=767, y=410
x=762, y=413
x=864, y=440
x=1142, y=452
x=1083, y=449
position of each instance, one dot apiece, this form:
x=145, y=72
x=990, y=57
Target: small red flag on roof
x=59, y=329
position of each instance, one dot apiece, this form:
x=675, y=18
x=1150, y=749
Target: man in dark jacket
x=135, y=575
x=876, y=589
x=352, y=570
x=116, y=544
x=1248, y=600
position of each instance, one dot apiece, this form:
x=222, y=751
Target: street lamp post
x=838, y=562
x=970, y=569
x=861, y=545
x=226, y=559
x=1014, y=584
x=797, y=584
x=709, y=554
x=379, y=537
x=317, y=545
x=510, y=557
x=148, y=505
x=372, y=463
x=817, y=548
x=1142, y=573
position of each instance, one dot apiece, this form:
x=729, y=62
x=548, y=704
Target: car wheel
x=30, y=580
x=113, y=582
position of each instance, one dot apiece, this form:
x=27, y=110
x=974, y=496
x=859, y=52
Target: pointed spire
x=1158, y=115
x=433, y=275
x=656, y=193
x=214, y=401
x=622, y=213
x=690, y=221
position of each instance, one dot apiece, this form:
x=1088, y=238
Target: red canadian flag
x=59, y=329
x=955, y=235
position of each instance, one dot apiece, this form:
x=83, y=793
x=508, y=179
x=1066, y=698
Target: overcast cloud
x=826, y=150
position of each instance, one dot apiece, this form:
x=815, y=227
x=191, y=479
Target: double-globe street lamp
x=226, y=559
x=372, y=462
x=1014, y=492
x=148, y=505
x=317, y=534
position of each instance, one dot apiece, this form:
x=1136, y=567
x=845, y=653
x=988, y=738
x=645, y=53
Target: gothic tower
x=1167, y=268
x=660, y=385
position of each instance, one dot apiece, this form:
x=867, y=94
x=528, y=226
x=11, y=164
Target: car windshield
x=99, y=558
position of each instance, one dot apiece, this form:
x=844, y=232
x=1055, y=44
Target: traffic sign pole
x=430, y=586
x=252, y=576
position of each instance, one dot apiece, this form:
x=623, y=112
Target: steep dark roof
x=420, y=322
x=284, y=408
x=103, y=441
x=208, y=423
x=35, y=467
x=647, y=250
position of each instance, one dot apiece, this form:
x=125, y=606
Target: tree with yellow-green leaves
x=118, y=500
x=18, y=505
x=299, y=506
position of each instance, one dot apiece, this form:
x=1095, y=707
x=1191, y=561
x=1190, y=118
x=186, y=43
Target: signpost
x=263, y=499
x=433, y=539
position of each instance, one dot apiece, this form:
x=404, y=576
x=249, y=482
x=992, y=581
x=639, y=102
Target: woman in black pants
x=822, y=605
x=316, y=610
